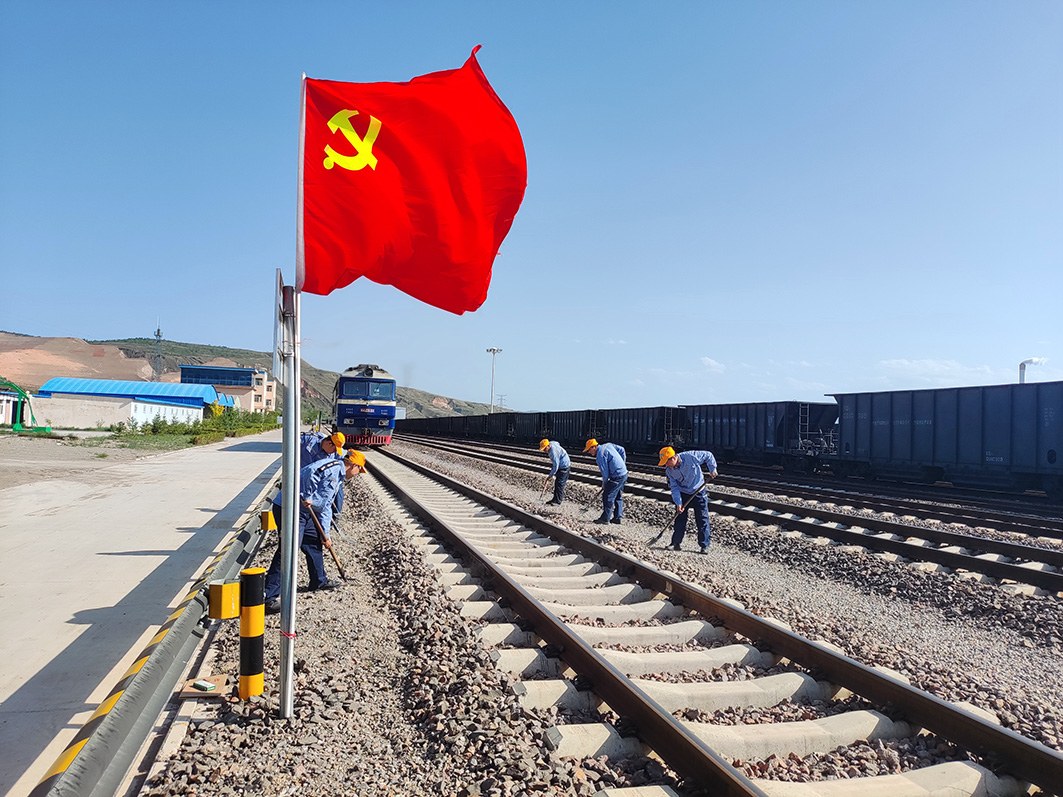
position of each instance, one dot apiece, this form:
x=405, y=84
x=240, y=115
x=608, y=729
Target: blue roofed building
x=101, y=401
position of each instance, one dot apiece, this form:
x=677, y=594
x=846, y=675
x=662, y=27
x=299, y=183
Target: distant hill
x=30, y=361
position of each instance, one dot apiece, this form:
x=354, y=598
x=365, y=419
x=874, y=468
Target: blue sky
x=726, y=201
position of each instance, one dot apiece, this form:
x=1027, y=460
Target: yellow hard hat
x=337, y=439
x=544, y=444
x=666, y=454
x=592, y=443
x=357, y=457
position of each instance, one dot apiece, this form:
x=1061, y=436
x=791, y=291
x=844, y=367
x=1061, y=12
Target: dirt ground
x=28, y=459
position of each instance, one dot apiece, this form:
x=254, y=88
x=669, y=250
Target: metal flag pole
x=290, y=496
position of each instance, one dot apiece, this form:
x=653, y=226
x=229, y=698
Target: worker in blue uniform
x=320, y=445
x=687, y=484
x=559, y=468
x=612, y=462
x=319, y=484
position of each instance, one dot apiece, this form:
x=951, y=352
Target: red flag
x=409, y=184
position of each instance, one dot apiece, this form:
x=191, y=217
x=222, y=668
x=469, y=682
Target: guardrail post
x=252, y=629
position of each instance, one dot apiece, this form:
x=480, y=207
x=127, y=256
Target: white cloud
x=712, y=365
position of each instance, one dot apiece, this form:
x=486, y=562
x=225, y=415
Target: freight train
x=997, y=436
x=364, y=405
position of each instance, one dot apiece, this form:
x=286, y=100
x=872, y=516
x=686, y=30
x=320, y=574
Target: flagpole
x=289, y=500
x=290, y=460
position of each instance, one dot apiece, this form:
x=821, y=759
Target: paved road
x=89, y=564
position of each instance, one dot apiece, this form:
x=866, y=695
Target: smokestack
x=1028, y=361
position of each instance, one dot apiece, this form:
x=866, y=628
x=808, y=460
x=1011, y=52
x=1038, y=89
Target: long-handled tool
x=677, y=514
x=542, y=495
x=597, y=495
x=331, y=549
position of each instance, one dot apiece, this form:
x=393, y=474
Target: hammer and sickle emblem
x=363, y=146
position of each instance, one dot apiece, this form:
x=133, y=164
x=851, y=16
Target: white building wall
x=145, y=412
x=89, y=412
x=7, y=408
x=80, y=412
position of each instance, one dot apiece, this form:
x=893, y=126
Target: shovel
x=677, y=514
x=331, y=549
x=593, y=500
x=542, y=495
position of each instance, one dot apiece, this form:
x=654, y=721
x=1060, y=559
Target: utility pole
x=158, y=350
x=501, y=401
x=493, y=350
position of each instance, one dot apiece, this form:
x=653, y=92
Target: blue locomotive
x=364, y=405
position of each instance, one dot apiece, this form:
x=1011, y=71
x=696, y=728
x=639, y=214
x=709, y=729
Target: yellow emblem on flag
x=341, y=121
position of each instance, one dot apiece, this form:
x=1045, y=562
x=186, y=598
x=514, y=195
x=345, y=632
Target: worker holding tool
x=687, y=484
x=320, y=445
x=612, y=462
x=559, y=467
x=319, y=482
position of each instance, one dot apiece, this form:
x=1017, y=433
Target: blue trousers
x=560, y=480
x=613, y=498
x=700, y=504
x=309, y=543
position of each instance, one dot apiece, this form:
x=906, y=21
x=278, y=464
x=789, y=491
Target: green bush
x=207, y=437
x=247, y=431
x=219, y=423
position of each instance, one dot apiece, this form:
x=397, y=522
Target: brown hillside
x=30, y=361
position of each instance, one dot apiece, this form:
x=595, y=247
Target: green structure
x=16, y=419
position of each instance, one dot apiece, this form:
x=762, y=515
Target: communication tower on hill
x=158, y=351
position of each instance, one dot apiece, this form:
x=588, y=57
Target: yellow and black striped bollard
x=252, y=628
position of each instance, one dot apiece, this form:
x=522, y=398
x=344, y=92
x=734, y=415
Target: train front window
x=374, y=391
x=383, y=391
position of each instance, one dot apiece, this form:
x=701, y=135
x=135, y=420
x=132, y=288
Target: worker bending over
x=559, y=468
x=319, y=484
x=612, y=462
x=687, y=484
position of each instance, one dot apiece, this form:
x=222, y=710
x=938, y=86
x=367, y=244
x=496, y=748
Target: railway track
x=932, y=497
x=557, y=606
x=1019, y=567
x=1019, y=517
x=1032, y=503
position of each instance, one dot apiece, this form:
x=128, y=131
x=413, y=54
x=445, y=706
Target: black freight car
x=793, y=434
x=572, y=427
x=640, y=430
x=997, y=436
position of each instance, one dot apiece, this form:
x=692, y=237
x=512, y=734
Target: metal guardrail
x=96, y=761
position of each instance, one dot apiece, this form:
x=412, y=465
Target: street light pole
x=493, y=351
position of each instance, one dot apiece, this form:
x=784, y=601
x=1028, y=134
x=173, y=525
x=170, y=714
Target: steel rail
x=1031, y=525
x=1024, y=758
x=673, y=742
x=1032, y=519
x=760, y=510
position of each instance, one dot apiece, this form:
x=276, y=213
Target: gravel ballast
x=394, y=695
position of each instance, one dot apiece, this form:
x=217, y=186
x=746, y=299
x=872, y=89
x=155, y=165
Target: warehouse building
x=252, y=388
x=69, y=402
